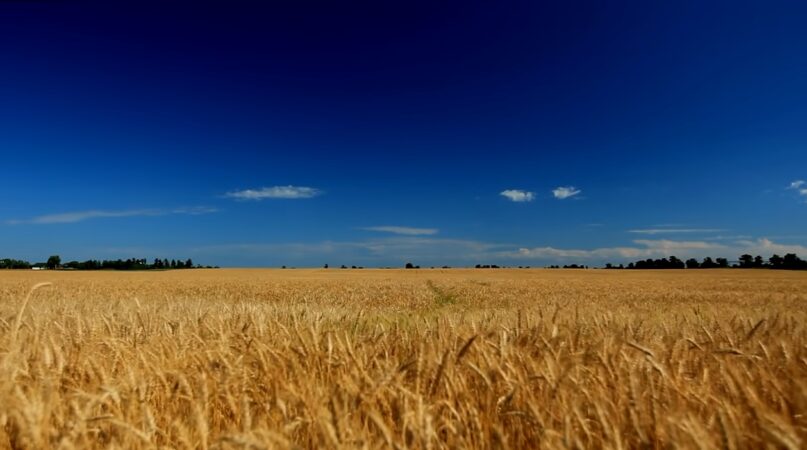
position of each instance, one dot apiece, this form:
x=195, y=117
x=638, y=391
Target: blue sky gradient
x=192, y=131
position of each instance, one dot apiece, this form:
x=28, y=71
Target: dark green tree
x=746, y=261
x=54, y=262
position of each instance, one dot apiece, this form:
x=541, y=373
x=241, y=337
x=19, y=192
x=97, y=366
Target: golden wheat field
x=254, y=359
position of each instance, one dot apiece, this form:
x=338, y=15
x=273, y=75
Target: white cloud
x=645, y=249
x=425, y=251
x=80, y=216
x=286, y=192
x=195, y=210
x=564, y=192
x=676, y=230
x=668, y=245
x=408, y=231
x=800, y=186
x=766, y=248
x=388, y=251
x=517, y=195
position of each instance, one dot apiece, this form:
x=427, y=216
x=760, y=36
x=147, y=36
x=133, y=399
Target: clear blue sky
x=375, y=133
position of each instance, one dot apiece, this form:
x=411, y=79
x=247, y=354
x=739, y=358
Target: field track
x=252, y=359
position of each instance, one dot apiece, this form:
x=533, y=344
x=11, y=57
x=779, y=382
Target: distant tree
x=409, y=265
x=776, y=261
x=759, y=262
x=746, y=261
x=189, y=263
x=325, y=267
x=793, y=262
x=8, y=263
x=722, y=262
x=708, y=263
x=54, y=262
x=692, y=263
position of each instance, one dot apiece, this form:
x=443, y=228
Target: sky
x=246, y=134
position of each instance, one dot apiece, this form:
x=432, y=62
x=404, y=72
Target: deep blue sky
x=137, y=131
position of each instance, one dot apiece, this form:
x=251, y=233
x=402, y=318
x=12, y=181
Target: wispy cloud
x=407, y=231
x=195, y=210
x=387, y=251
x=518, y=195
x=676, y=230
x=667, y=245
x=766, y=247
x=656, y=248
x=284, y=192
x=564, y=192
x=80, y=216
x=644, y=249
x=800, y=186
x=425, y=250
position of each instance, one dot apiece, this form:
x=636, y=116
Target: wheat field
x=428, y=359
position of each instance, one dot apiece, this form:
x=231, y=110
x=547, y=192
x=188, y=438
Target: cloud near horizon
x=767, y=248
x=564, y=192
x=79, y=216
x=407, y=231
x=275, y=192
x=426, y=251
x=645, y=249
x=518, y=195
x=676, y=230
x=375, y=252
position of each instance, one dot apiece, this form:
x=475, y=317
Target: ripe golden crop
x=232, y=359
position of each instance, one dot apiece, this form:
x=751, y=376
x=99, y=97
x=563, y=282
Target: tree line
x=790, y=261
x=55, y=262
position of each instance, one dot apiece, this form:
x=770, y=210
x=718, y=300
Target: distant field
x=251, y=359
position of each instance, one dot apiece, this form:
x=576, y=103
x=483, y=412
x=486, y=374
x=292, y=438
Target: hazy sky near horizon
x=376, y=133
